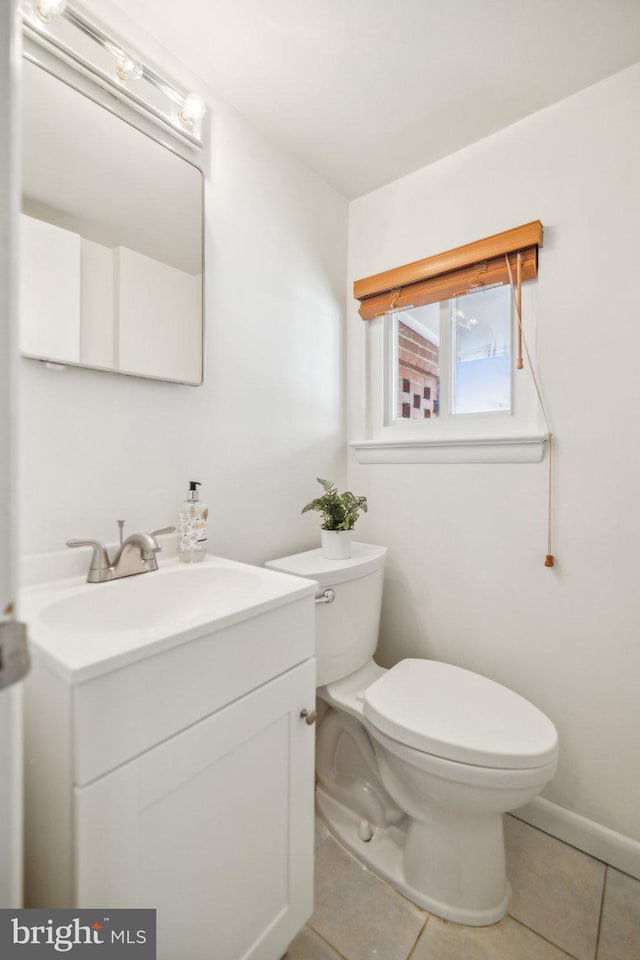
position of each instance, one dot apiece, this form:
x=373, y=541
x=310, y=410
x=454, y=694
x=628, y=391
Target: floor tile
x=620, y=930
x=309, y=946
x=507, y=940
x=557, y=890
x=362, y=917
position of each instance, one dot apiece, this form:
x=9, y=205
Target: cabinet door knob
x=309, y=716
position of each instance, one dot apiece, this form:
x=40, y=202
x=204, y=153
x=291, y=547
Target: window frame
x=517, y=435
x=447, y=363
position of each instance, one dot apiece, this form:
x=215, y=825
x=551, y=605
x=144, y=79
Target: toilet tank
x=347, y=628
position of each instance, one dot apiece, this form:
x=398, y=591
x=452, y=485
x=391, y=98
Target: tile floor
x=564, y=905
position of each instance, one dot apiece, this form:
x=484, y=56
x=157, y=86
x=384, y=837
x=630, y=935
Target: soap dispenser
x=192, y=527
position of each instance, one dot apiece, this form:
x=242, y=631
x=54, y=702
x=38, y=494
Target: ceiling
x=365, y=91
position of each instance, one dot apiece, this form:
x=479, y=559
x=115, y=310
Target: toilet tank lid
x=451, y=712
x=365, y=558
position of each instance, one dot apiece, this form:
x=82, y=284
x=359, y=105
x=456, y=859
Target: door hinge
x=14, y=652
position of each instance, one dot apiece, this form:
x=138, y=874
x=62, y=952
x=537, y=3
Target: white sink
x=86, y=629
x=177, y=595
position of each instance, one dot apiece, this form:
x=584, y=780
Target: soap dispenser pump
x=192, y=527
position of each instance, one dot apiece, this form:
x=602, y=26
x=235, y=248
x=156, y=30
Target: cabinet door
x=213, y=828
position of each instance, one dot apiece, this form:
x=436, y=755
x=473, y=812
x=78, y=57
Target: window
x=441, y=382
x=453, y=356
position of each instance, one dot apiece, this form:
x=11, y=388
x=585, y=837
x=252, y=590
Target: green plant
x=339, y=510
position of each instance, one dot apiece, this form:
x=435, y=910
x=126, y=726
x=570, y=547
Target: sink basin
x=86, y=629
x=176, y=595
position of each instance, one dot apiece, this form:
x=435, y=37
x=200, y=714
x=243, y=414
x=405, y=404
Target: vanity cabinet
x=211, y=828
x=150, y=786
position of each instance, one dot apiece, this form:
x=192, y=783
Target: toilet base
x=386, y=854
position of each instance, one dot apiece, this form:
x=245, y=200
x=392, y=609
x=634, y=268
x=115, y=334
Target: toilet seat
x=470, y=774
x=452, y=713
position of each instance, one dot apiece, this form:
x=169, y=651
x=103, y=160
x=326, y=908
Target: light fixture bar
x=120, y=54
x=178, y=116
x=91, y=30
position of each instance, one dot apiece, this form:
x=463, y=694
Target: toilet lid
x=458, y=715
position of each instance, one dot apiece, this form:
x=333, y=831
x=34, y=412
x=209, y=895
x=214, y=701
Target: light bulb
x=49, y=8
x=193, y=109
x=129, y=69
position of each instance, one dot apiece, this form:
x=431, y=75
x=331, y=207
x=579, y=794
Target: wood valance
x=463, y=270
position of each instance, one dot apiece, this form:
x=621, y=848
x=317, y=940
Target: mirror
x=111, y=240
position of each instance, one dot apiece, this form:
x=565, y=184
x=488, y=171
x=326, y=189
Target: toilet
x=416, y=764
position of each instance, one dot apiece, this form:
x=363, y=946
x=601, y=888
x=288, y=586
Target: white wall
x=465, y=577
x=269, y=418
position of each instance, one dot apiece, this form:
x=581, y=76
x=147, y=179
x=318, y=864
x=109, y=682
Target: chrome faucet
x=136, y=554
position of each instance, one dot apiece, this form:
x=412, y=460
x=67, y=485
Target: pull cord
x=549, y=559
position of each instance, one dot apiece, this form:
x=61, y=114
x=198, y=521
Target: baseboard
x=613, y=848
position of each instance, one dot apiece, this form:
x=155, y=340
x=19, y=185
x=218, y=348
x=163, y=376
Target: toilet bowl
x=417, y=764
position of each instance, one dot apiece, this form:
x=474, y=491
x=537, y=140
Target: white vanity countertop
x=85, y=630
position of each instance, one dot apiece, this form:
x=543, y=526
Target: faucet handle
x=100, y=558
x=161, y=531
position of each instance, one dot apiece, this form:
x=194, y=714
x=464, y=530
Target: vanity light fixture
x=129, y=69
x=193, y=110
x=181, y=111
x=46, y=9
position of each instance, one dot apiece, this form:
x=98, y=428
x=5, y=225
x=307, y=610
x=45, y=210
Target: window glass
x=481, y=348
x=418, y=351
x=454, y=357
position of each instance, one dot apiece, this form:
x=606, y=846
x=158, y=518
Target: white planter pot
x=336, y=544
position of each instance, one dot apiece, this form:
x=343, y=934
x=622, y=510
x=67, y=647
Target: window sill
x=517, y=449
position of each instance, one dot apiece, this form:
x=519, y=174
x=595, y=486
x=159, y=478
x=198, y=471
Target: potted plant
x=339, y=514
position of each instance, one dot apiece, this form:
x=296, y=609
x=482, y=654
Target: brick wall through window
x=418, y=375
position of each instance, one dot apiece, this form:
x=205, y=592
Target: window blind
x=467, y=269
